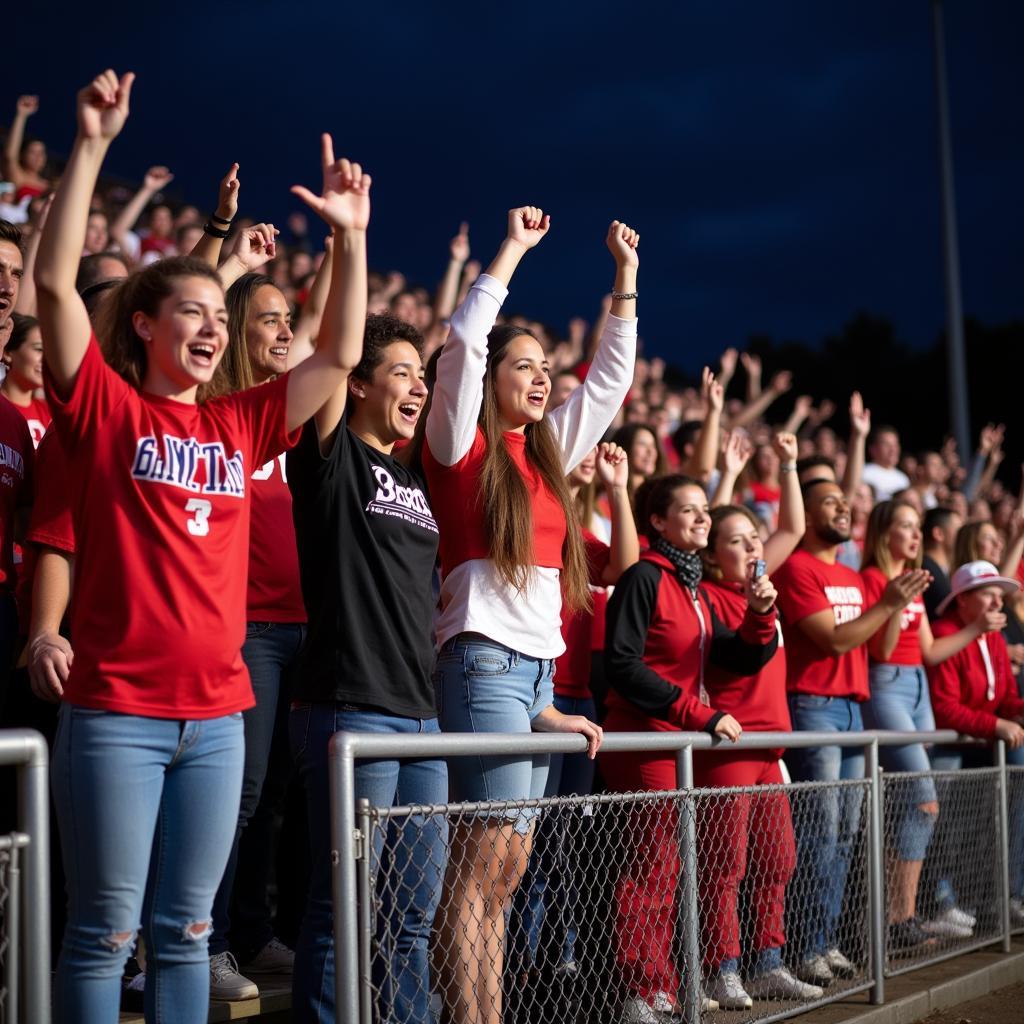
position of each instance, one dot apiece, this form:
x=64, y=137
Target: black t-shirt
x=937, y=590
x=367, y=546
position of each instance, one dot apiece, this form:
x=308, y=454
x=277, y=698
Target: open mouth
x=202, y=353
x=536, y=399
x=409, y=411
x=842, y=521
x=279, y=351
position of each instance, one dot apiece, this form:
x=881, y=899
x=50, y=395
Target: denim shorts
x=483, y=686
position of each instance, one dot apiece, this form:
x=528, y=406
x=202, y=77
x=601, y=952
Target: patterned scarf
x=688, y=564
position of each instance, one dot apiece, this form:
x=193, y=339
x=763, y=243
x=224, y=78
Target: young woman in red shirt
x=662, y=633
x=898, y=654
x=511, y=559
x=745, y=833
x=151, y=722
x=23, y=356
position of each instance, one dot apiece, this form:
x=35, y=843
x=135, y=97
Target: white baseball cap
x=972, y=575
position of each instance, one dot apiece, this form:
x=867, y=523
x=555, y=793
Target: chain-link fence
x=621, y=902
x=10, y=923
x=943, y=871
x=1015, y=809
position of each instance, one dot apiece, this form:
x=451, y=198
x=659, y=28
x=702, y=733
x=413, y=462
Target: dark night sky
x=778, y=158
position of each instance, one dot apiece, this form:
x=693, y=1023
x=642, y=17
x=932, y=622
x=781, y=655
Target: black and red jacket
x=659, y=639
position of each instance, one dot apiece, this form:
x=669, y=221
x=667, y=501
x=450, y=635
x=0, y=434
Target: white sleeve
x=459, y=390
x=580, y=422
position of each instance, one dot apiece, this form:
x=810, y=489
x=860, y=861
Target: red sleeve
x=947, y=705
x=95, y=393
x=264, y=412
x=51, y=512
x=598, y=556
x=800, y=594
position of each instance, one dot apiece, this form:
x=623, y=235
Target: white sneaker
x=1016, y=913
x=815, y=971
x=952, y=923
x=839, y=964
x=959, y=917
x=727, y=990
x=274, y=958
x=778, y=983
x=661, y=1008
x=226, y=982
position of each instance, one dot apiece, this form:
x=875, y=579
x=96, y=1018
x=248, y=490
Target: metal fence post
x=367, y=917
x=343, y=878
x=689, y=904
x=876, y=875
x=1004, y=843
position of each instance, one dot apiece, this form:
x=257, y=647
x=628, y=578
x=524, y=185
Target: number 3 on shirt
x=199, y=524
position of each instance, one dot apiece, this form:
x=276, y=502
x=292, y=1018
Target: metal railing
x=365, y=897
x=25, y=872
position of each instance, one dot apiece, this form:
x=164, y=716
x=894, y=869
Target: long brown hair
x=965, y=547
x=719, y=516
x=239, y=299
x=143, y=292
x=876, y=540
x=508, y=517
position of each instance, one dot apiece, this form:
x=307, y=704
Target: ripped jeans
x=147, y=809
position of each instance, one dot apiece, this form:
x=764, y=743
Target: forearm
x=625, y=284
x=208, y=250
x=754, y=410
x=625, y=545
x=128, y=217
x=854, y=464
x=12, y=148
x=27, y=303
x=311, y=317
x=705, y=451
x=795, y=421
x=849, y=635
x=344, y=316
x=726, y=486
x=504, y=264
x=1014, y=554
x=974, y=474
x=783, y=542
x=448, y=290
x=230, y=270
x=945, y=647
x=51, y=592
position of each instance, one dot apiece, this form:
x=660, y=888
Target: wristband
x=625, y=295
x=214, y=231
x=220, y=220
x=787, y=467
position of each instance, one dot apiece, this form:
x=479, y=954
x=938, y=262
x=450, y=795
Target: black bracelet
x=220, y=220
x=216, y=232
x=625, y=295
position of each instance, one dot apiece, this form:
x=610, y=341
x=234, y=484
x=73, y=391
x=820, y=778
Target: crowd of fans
x=481, y=524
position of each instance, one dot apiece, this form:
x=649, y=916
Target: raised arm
x=319, y=385
x=455, y=406
x=209, y=246
x=102, y=111
x=752, y=366
x=783, y=542
x=860, y=427
x=448, y=291
x=27, y=303
x=779, y=385
x=613, y=471
x=582, y=419
x=802, y=409
x=254, y=247
x=308, y=327
x=27, y=106
x=735, y=456
x=705, y=451
x=156, y=178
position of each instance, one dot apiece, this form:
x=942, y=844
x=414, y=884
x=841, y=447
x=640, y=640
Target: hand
x=990, y=622
x=157, y=179
x=825, y=411
x=345, y=200
x=27, y=105
x=552, y=720
x=711, y=391
x=991, y=436
x=612, y=466
x=860, y=418
x=899, y=592
x=761, y=592
x=49, y=664
x=458, y=247
x=727, y=364
x=1010, y=733
x=997, y=455
x=527, y=225
x=751, y=364
x=736, y=453
x=728, y=728
x=256, y=246
x=227, y=194
x=471, y=271
x=802, y=406
x=622, y=242
x=781, y=382
x=103, y=106
x=786, y=447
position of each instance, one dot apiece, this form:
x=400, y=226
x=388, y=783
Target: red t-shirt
x=456, y=500
x=16, y=462
x=757, y=702
x=274, y=594
x=37, y=416
x=908, y=647
x=161, y=516
x=572, y=669
x=807, y=585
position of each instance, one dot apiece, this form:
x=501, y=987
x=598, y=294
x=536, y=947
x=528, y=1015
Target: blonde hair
x=876, y=540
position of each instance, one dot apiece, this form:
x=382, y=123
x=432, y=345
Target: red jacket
x=655, y=649
x=959, y=686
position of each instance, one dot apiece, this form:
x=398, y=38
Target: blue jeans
x=269, y=653
x=415, y=861
x=900, y=701
x=553, y=853
x=146, y=808
x=825, y=846
x=483, y=686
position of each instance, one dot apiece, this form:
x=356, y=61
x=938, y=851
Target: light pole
x=956, y=361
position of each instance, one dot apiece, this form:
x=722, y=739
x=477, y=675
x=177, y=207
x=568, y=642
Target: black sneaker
x=906, y=935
